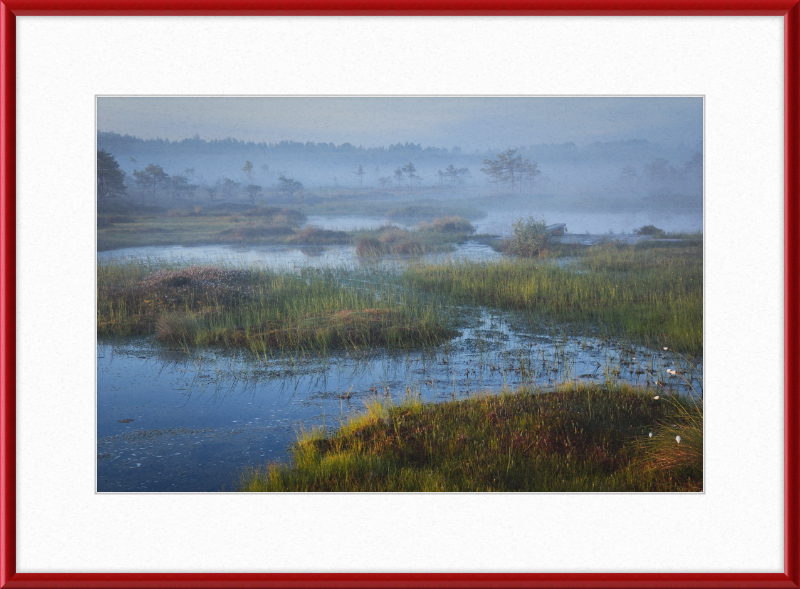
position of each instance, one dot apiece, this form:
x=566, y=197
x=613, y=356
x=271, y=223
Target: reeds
x=652, y=296
x=263, y=310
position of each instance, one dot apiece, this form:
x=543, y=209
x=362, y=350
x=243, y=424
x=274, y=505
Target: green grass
x=262, y=310
x=649, y=295
x=578, y=438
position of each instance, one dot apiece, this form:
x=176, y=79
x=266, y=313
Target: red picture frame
x=9, y=9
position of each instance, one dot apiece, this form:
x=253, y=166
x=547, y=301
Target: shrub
x=649, y=230
x=408, y=247
x=530, y=238
x=390, y=237
x=369, y=246
x=451, y=224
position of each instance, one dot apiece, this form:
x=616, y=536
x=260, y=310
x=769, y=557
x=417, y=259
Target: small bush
x=451, y=224
x=408, y=247
x=393, y=236
x=649, y=230
x=530, y=238
x=369, y=246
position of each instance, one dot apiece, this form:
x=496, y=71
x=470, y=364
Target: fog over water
x=618, y=148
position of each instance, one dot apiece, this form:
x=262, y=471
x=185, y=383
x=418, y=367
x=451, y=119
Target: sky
x=470, y=123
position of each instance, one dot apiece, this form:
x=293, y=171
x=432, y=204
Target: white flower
x=671, y=372
x=678, y=439
x=657, y=397
x=651, y=434
x=666, y=348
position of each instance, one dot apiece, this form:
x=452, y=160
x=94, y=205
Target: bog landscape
x=399, y=294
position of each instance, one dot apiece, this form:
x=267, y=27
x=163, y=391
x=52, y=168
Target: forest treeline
x=206, y=170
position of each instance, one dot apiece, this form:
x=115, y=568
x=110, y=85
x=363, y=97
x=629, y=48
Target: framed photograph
x=435, y=282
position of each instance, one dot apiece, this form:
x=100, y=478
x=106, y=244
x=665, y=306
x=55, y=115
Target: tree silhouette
x=360, y=173
x=248, y=169
x=229, y=188
x=252, y=191
x=110, y=179
x=151, y=178
x=410, y=170
x=288, y=185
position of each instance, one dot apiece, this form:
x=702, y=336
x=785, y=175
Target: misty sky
x=469, y=123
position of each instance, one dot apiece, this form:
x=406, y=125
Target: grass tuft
x=581, y=437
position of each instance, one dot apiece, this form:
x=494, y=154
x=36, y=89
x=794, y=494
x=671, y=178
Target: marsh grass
x=580, y=437
x=440, y=235
x=652, y=295
x=261, y=309
x=664, y=452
